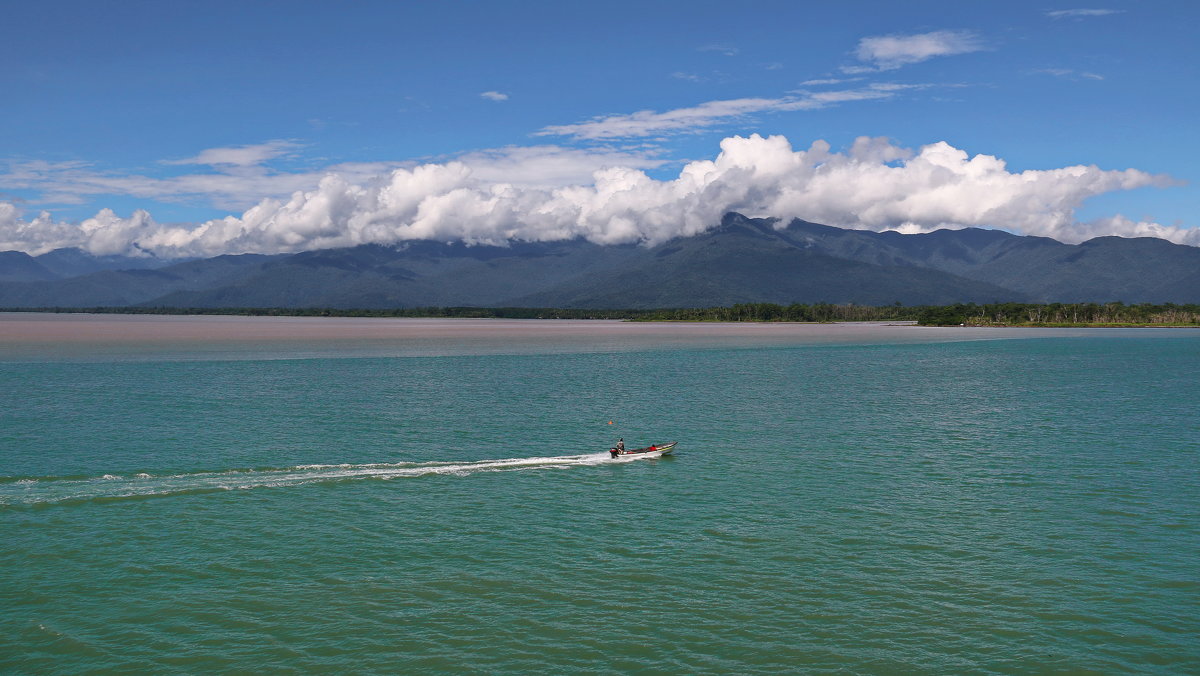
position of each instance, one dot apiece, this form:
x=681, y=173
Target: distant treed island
x=961, y=314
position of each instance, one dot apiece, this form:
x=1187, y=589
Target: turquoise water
x=1000, y=506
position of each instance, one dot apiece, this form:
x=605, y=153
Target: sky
x=202, y=128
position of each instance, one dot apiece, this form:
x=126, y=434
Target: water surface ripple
x=998, y=506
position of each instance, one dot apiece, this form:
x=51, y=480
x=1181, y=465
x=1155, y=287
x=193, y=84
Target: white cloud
x=888, y=52
x=240, y=187
x=550, y=166
x=684, y=120
x=494, y=96
x=241, y=156
x=231, y=186
x=649, y=122
x=726, y=50
x=874, y=184
x=829, y=81
x=1124, y=227
x=1069, y=74
x=1080, y=13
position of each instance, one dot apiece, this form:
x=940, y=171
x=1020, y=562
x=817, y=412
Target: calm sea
x=900, y=501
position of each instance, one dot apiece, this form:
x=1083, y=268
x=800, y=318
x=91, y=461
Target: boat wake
x=50, y=490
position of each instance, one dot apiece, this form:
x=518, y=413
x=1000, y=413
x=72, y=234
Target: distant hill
x=747, y=260
x=739, y=260
x=1132, y=270
x=18, y=266
x=74, y=262
x=128, y=287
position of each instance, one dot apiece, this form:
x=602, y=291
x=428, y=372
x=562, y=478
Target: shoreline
x=82, y=335
x=548, y=314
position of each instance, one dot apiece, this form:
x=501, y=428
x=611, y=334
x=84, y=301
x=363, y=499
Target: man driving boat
x=616, y=450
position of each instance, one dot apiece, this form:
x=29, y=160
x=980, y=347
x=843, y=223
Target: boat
x=654, y=450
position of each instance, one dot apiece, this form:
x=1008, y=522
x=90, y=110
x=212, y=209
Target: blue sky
x=177, y=114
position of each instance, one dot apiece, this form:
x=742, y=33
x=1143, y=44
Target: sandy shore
x=38, y=335
x=75, y=328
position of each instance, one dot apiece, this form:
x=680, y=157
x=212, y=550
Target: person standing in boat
x=616, y=450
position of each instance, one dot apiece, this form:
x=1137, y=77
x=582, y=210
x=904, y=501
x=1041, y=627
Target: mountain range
x=740, y=260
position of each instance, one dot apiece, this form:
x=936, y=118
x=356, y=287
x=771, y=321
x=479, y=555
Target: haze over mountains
x=740, y=260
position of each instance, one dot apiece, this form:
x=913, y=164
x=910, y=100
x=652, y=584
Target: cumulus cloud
x=238, y=187
x=494, y=96
x=874, y=184
x=888, y=52
x=1080, y=13
x=548, y=166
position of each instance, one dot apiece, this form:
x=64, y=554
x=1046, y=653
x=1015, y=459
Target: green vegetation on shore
x=451, y=312
x=1061, y=314
x=966, y=314
x=742, y=312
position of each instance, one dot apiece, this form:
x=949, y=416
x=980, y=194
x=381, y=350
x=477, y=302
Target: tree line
x=965, y=314
x=1061, y=314
x=416, y=312
x=741, y=312
x=772, y=312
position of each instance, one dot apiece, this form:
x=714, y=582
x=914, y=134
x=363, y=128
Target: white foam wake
x=57, y=490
